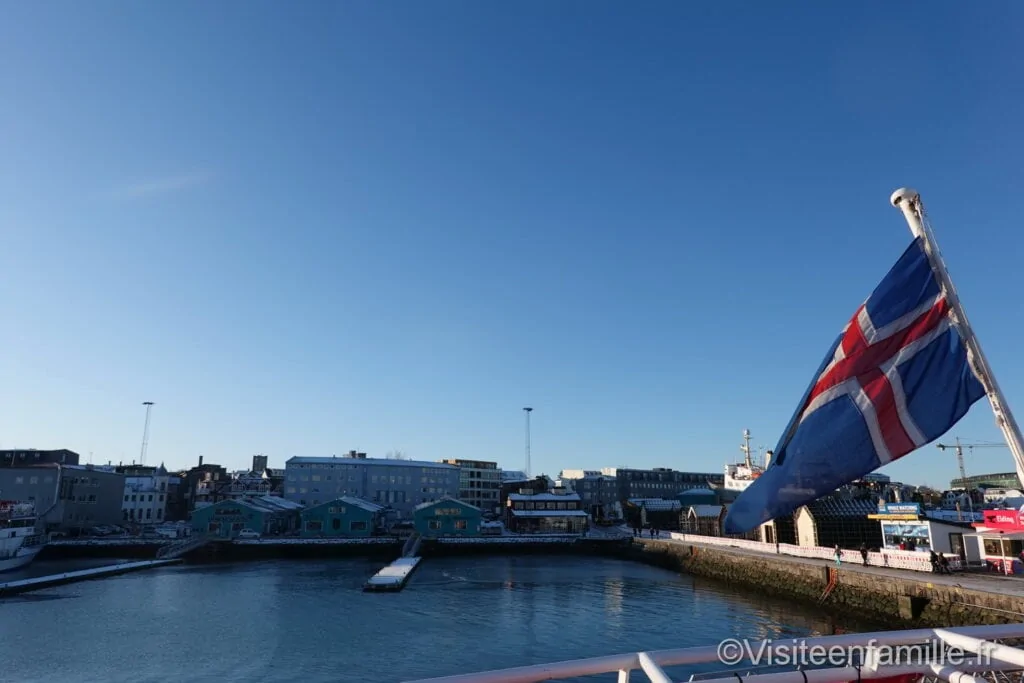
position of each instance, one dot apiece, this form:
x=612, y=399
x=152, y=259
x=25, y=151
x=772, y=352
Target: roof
x=353, y=501
x=706, y=510
x=544, y=497
x=697, y=492
x=659, y=505
x=382, y=462
x=278, y=503
x=445, y=499
x=549, y=513
x=835, y=507
x=260, y=503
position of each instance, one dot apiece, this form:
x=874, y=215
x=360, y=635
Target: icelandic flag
x=896, y=379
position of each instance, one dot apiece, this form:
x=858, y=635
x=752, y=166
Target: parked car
x=248, y=533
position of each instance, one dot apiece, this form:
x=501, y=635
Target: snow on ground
x=119, y=541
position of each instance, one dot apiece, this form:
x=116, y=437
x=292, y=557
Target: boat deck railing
x=972, y=654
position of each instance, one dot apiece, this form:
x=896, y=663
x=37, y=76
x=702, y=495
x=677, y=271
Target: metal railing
x=981, y=659
x=180, y=547
x=892, y=559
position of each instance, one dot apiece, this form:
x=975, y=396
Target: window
x=460, y=524
x=357, y=526
x=314, y=526
x=336, y=524
x=434, y=524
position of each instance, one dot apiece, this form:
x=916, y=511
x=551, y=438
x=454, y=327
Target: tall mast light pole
x=528, y=411
x=145, y=433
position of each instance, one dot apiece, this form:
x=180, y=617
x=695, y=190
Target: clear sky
x=305, y=228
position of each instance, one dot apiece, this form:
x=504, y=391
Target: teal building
x=345, y=516
x=446, y=517
x=267, y=515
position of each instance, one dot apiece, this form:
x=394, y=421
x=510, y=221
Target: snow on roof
x=383, y=462
x=445, y=499
x=547, y=497
x=360, y=503
x=549, y=513
x=706, y=510
x=279, y=503
x=659, y=505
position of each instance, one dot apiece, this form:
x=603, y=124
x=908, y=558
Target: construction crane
x=959, y=448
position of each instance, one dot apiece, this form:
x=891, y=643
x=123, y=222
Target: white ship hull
x=21, y=558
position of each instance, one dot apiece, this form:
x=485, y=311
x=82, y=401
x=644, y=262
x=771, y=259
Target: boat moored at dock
x=20, y=540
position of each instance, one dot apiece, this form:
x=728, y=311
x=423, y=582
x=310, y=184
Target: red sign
x=1004, y=520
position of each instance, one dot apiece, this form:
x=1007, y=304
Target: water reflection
x=310, y=621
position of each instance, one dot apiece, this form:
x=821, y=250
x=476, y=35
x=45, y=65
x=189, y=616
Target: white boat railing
x=895, y=559
x=954, y=655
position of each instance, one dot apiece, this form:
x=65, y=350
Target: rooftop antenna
x=145, y=433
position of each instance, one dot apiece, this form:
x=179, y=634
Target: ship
x=20, y=539
x=739, y=476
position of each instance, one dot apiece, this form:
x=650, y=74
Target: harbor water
x=311, y=621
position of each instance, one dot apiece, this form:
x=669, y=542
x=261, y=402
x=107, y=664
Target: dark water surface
x=310, y=622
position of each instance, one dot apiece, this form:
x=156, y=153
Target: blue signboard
x=900, y=509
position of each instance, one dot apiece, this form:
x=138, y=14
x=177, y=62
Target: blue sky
x=302, y=229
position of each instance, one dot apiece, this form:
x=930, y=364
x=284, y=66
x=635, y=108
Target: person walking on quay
x=839, y=556
x=935, y=562
x=864, y=553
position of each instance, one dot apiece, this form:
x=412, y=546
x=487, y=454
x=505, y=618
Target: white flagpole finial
x=904, y=193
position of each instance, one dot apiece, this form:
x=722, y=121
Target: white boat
x=20, y=540
x=739, y=476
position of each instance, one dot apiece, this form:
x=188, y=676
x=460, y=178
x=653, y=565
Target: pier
x=886, y=594
x=25, y=585
x=394, y=576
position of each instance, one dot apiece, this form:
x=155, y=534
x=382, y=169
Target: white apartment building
x=145, y=497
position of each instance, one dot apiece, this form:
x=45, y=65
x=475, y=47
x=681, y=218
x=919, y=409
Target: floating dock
x=394, y=576
x=25, y=585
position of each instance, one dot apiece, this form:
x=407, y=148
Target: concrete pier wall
x=904, y=601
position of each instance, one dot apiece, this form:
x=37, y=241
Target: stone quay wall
x=905, y=602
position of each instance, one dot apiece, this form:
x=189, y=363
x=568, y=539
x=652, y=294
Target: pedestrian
x=864, y=553
x=935, y=562
x=839, y=556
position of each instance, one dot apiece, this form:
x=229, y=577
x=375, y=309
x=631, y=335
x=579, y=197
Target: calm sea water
x=309, y=621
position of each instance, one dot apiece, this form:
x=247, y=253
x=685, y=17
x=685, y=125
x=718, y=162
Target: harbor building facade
x=29, y=457
x=555, y=512
x=598, y=491
x=447, y=517
x=662, y=482
x=147, y=491
x=479, y=483
x=393, y=483
x=67, y=497
x=346, y=516
x=266, y=515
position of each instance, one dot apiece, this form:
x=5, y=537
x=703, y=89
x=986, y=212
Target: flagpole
x=909, y=202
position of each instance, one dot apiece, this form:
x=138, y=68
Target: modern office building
x=395, y=483
x=479, y=483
